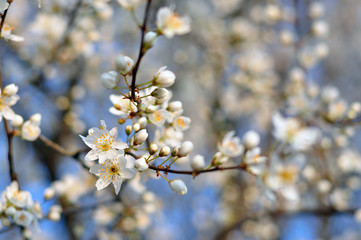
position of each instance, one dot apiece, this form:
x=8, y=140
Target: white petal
x=117, y=183
x=92, y=155
x=119, y=145
x=102, y=183
x=8, y=113
x=95, y=169
x=114, y=132
x=128, y=173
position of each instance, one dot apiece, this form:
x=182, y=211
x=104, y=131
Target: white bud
x=185, y=149
x=136, y=127
x=150, y=109
x=153, y=148
x=219, y=159
x=164, y=151
x=324, y=186
x=54, y=216
x=317, y=10
x=141, y=164
x=36, y=118
x=198, y=163
x=110, y=79
x=175, y=151
x=123, y=64
x=175, y=106
x=251, y=139
x=17, y=121
x=149, y=38
x=320, y=28
x=160, y=93
x=128, y=129
x=178, y=186
x=142, y=122
x=10, y=90
x=49, y=193
x=140, y=137
x=164, y=78
x=330, y=94
x=10, y=211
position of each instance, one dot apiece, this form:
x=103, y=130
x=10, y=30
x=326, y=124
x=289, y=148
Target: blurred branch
x=141, y=49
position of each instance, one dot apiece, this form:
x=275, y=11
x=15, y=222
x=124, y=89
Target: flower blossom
x=122, y=106
x=113, y=170
x=8, y=98
x=6, y=33
x=104, y=143
x=170, y=23
x=231, y=146
x=31, y=128
x=291, y=131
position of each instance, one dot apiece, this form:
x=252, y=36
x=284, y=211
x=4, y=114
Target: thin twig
x=141, y=49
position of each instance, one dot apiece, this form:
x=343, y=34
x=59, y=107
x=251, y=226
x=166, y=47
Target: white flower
x=251, y=139
x=178, y=186
x=124, y=64
x=160, y=93
x=104, y=143
x=6, y=33
x=113, y=170
x=3, y=5
x=164, y=78
x=31, y=128
x=164, y=151
x=290, y=131
x=219, y=158
x=159, y=117
x=17, y=121
x=231, y=146
x=122, y=106
x=255, y=162
x=110, y=79
x=185, y=148
x=170, y=23
x=181, y=123
x=7, y=99
x=140, y=137
x=175, y=106
x=18, y=198
x=129, y=4
x=23, y=218
x=141, y=164
x=198, y=163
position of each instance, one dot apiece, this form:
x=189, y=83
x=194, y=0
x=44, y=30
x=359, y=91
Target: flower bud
x=175, y=151
x=110, y=79
x=219, y=159
x=198, y=163
x=124, y=64
x=149, y=38
x=160, y=101
x=141, y=164
x=49, y=193
x=10, y=211
x=54, y=216
x=128, y=129
x=142, y=122
x=140, y=137
x=185, y=149
x=251, y=139
x=10, y=90
x=122, y=120
x=175, y=106
x=36, y=118
x=5, y=221
x=136, y=127
x=160, y=93
x=150, y=109
x=164, y=78
x=153, y=148
x=17, y=121
x=178, y=186
x=164, y=151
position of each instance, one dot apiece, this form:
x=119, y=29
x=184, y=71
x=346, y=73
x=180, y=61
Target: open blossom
x=159, y=117
x=7, y=99
x=291, y=131
x=122, y=106
x=170, y=23
x=254, y=160
x=6, y=33
x=181, y=123
x=104, y=143
x=23, y=218
x=231, y=146
x=16, y=197
x=113, y=170
x=31, y=128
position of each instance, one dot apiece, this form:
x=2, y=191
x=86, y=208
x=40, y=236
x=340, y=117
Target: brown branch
x=141, y=49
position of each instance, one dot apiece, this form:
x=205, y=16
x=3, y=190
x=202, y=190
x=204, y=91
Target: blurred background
x=242, y=62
